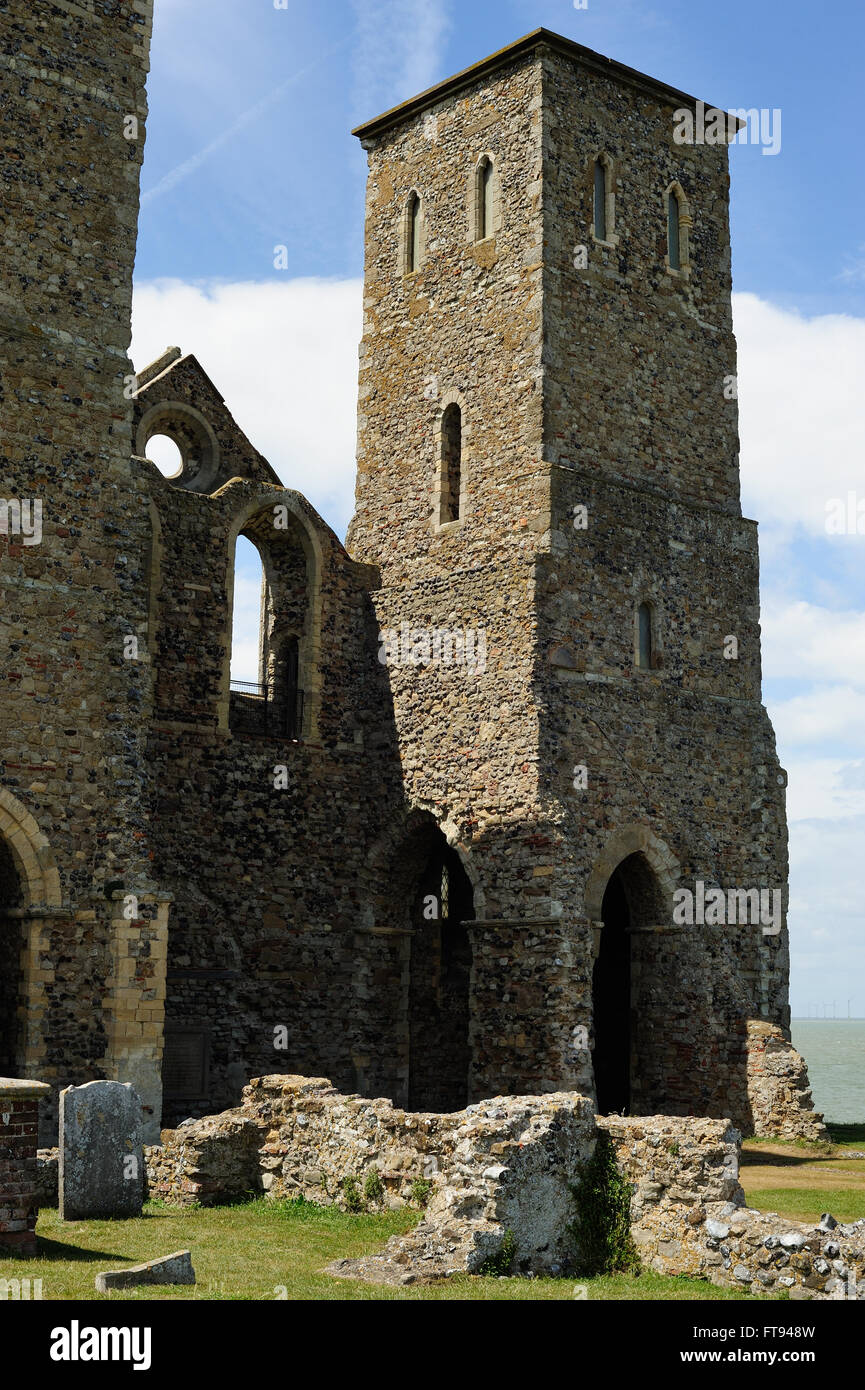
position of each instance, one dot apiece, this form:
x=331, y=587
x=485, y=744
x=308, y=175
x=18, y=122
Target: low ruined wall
x=317, y=1138
x=206, y=1162
x=498, y=1176
x=779, y=1092
x=19, y=1181
x=505, y=1184
x=688, y=1215
x=504, y=1165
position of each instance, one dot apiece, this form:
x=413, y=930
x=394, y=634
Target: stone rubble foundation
x=501, y=1172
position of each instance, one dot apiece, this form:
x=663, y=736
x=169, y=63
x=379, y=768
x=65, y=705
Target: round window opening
x=165, y=454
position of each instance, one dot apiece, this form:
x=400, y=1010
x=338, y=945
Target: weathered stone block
x=170, y=1269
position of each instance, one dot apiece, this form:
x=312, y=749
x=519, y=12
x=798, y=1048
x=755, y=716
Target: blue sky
x=276, y=93
x=249, y=146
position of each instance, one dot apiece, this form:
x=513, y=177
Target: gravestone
x=171, y=1269
x=101, y=1155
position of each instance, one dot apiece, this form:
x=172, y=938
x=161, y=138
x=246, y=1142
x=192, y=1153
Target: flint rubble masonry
x=506, y=1164
x=591, y=383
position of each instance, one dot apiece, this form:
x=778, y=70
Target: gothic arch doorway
x=12, y=981
x=29, y=896
x=440, y=961
x=632, y=901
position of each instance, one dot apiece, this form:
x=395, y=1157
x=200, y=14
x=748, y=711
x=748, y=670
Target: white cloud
x=284, y=356
x=823, y=789
x=398, y=51
x=811, y=642
x=801, y=412
x=836, y=714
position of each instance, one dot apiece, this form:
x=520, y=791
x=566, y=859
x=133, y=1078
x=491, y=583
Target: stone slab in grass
x=171, y=1269
x=101, y=1154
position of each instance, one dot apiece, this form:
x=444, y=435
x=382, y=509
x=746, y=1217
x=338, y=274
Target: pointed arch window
x=451, y=463
x=270, y=616
x=678, y=224
x=674, y=250
x=484, y=198
x=413, y=234
x=250, y=589
x=600, y=201
x=645, y=637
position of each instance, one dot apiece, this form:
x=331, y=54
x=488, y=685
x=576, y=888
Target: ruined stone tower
x=547, y=453
x=72, y=815
x=432, y=853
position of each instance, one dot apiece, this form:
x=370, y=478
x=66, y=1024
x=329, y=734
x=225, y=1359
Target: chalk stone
x=171, y=1269
x=101, y=1154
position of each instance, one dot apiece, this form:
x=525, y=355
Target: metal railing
x=253, y=710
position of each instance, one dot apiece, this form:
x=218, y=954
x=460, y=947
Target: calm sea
x=835, y=1052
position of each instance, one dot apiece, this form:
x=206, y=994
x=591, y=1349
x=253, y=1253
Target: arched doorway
x=611, y=1004
x=440, y=963
x=632, y=902
x=12, y=984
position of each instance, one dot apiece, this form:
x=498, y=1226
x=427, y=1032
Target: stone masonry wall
x=507, y=1164
x=72, y=773
x=466, y=328
x=779, y=1092
x=638, y=431
x=689, y=1216
x=271, y=927
x=597, y=385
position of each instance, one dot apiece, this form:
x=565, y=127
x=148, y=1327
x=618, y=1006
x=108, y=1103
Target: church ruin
x=425, y=875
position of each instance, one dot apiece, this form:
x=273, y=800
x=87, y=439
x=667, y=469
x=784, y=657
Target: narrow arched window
x=246, y=616
x=249, y=692
x=673, y=243
x=485, y=198
x=413, y=220
x=286, y=684
x=600, y=201
x=644, y=636
x=451, y=462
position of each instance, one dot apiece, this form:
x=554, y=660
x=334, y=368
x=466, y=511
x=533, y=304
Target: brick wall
x=19, y=1201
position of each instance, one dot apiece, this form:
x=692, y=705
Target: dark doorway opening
x=11, y=980
x=439, y=977
x=611, y=1003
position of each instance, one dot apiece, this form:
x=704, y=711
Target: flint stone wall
x=779, y=1092
x=501, y=1165
x=689, y=1215
x=506, y=1164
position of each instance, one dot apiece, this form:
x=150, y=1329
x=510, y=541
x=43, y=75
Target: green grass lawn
x=269, y=1250
x=800, y=1178
x=807, y=1204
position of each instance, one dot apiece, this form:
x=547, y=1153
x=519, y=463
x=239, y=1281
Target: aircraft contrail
x=195, y=161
